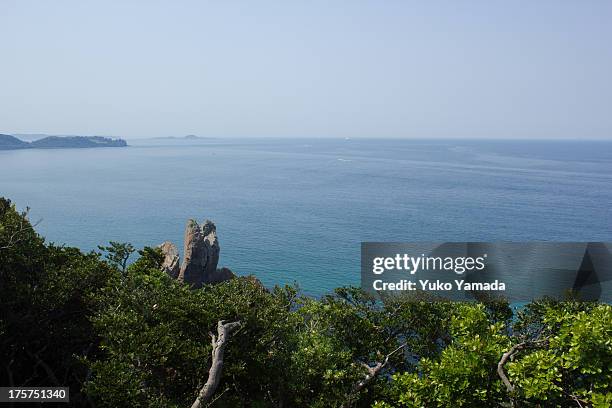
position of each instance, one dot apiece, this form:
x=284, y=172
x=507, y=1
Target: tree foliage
x=47, y=295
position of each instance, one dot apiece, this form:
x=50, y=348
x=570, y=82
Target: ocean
x=296, y=210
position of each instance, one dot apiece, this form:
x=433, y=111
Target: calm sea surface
x=296, y=210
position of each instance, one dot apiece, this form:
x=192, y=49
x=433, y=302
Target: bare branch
x=576, y=399
x=372, y=372
x=219, y=342
x=510, y=353
x=218, y=396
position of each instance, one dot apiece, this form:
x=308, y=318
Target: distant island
x=187, y=137
x=9, y=142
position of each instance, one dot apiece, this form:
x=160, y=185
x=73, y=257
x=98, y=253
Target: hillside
x=8, y=142
x=53, y=142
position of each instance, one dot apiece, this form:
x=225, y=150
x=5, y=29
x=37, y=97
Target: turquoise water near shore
x=297, y=209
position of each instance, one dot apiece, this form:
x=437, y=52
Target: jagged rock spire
x=200, y=257
x=201, y=253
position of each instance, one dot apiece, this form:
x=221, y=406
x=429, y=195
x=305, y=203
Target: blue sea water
x=296, y=210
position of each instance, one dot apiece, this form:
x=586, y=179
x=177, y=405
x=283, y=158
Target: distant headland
x=9, y=142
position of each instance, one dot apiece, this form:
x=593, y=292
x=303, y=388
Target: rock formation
x=201, y=253
x=221, y=275
x=200, y=257
x=171, y=264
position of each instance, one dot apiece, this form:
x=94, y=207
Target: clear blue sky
x=307, y=68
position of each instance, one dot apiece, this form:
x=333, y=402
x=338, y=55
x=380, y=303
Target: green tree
x=47, y=296
x=572, y=360
x=118, y=253
x=559, y=354
x=157, y=347
x=464, y=372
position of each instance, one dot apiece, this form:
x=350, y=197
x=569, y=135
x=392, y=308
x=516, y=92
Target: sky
x=225, y=68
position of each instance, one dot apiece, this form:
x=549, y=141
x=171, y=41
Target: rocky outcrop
x=200, y=256
x=221, y=275
x=172, y=263
x=201, y=253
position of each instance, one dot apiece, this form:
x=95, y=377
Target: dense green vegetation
x=131, y=336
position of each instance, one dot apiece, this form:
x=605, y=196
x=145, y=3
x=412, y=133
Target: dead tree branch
x=510, y=354
x=219, y=342
x=371, y=373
